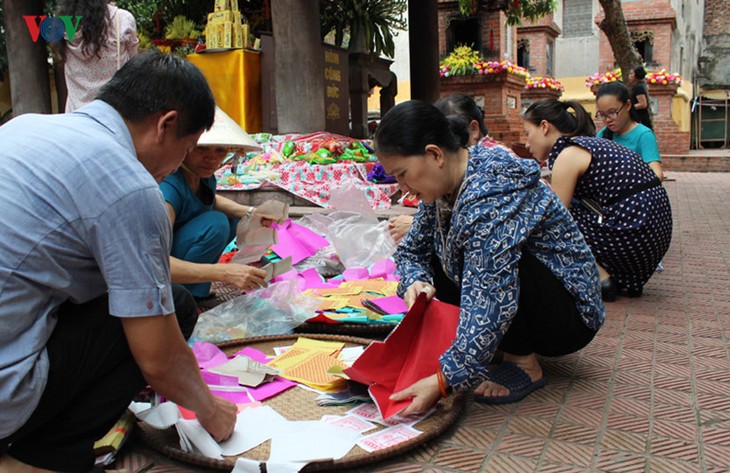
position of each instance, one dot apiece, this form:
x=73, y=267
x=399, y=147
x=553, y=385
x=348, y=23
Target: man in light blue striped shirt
x=87, y=310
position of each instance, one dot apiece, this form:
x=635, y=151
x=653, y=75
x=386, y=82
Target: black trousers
x=547, y=321
x=91, y=380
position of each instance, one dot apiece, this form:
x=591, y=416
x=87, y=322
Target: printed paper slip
x=369, y=411
x=349, y=422
x=389, y=437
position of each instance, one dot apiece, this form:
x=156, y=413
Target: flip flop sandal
x=513, y=378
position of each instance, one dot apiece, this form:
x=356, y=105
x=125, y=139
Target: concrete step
x=701, y=160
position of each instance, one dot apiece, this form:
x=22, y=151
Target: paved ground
x=650, y=394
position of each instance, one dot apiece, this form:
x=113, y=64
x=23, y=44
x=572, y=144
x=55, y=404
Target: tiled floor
x=650, y=394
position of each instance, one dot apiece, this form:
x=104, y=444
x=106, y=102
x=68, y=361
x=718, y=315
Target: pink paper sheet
x=384, y=269
x=355, y=274
x=310, y=279
x=216, y=379
x=297, y=241
x=267, y=390
x=208, y=355
x=391, y=304
x=240, y=397
x=254, y=354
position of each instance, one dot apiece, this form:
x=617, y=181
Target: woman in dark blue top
x=617, y=200
x=528, y=282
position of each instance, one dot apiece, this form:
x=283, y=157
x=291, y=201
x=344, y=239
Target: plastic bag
x=272, y=310
x=359, y=239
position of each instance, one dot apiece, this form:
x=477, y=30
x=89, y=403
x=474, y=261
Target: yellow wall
x=575, y=89
x=715, y=94
x=404, y=93
x=681, y=110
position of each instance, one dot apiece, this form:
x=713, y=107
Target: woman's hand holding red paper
x=424, y=393
x=415, y=289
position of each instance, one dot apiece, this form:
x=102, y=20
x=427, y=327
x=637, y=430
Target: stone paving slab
x=650, y=394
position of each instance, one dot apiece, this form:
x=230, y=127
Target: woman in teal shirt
x=622, y=125
x=203, y=223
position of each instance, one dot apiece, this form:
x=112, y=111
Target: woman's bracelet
x=442, y=382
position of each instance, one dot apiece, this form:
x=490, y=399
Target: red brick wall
x=538, y=34
x=493, y=30
x=646, y=15
x=670, y=139
x=503, y=120
x=717, y=14
x=538, y=46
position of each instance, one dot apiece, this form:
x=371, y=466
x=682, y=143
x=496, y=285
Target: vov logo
x=52, y=27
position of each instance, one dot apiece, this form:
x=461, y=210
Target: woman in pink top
x=105, y=40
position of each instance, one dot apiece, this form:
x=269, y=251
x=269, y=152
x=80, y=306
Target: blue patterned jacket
x=503, y=208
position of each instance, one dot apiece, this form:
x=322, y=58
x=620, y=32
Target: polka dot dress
x=634, y=233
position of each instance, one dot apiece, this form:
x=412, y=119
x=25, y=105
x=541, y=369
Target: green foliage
x=154, y=15
x=530, y=9
x=144, y=41
x=376, y=20
x=515, y=10
x=181, y=28
x=144, y=12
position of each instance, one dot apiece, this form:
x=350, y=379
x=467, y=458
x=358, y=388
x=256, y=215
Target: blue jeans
x=202, y=240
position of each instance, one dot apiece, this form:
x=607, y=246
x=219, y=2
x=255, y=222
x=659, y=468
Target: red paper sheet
x=410, y=353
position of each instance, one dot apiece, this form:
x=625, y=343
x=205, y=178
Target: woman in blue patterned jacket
x=527, y=279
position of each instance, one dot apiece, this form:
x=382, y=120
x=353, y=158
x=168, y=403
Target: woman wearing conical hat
x=204, y=222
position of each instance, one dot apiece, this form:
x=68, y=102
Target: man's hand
x=415, y=289
x=243, y=276
x=425, y=393
x=169, y=366
x=221, y=422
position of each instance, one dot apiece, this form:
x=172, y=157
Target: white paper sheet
x=200, y=439
x=254, y=426
x=311, y=441
x=161, y=417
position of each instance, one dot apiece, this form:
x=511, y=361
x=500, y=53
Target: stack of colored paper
x=309, y=362
x=356, y=302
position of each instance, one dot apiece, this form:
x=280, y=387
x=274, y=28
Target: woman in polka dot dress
x=617, y=200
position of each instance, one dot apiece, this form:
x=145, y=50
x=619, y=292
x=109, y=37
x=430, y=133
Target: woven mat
x=300, y=404
x=357, y=330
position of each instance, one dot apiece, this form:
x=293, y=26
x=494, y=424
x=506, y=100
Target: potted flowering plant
x=664, y=78
x=541, y=88
x=460, y=62
x=595, y=81
x=536, y=82
x=464, y=61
